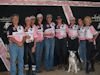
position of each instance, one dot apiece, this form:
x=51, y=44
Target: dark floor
x=63, y=72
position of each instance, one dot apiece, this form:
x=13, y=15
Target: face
x=40, y=19
x=28, y=22
x=32, y=21
x=49, y=19
x=87, y=21
x=59, y=21
x=72, y=22
x=15, y=20
x=80, y=22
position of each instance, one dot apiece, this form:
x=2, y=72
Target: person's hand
x=51, y=34
x=20, y=44
x=91, y=40
x=28, y=37
x=47, y=34
x=33, y=49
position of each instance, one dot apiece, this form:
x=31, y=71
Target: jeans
x=16, y=52
x=49, y=53
x=28, y=55
x=38, y=54
x=90, y=52
x=73, y=44
x=61, y=52
x=82, y=50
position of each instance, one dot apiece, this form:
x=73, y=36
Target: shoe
x=26, y=67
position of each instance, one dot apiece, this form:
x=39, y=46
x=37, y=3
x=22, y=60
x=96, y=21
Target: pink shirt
x=73, y=31
x=50, y=29
x=82, y=33
x=35, y=31
x=61, y=32
x=32, y=32
x=40, y=33
x=90, y=32
x=19, y=34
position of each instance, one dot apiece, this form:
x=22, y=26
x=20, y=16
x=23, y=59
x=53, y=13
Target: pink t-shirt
x=19, y=34
x=90, y=32
x=40, y=33
x=50, y=29
x=61, y=32
x=82, y=33
x=73, y=31
x=32, y=32
x=35, y=31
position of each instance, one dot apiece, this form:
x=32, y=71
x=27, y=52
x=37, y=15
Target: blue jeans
x=38, y=54
x=16, y=52
x=28, y=55
x=82, y=50
x=49, y=53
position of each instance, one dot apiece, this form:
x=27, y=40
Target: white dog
x=73, y=62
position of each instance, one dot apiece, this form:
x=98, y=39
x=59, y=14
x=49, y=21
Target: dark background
x=81, y=12
x=23, y=11
x=31, y=10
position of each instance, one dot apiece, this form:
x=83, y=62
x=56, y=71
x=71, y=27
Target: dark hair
x=14, y=16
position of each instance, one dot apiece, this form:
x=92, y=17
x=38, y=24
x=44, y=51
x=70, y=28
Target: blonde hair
x=87, y=18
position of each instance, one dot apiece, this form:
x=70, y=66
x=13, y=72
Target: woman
x=39, y=43
x=29, y=43
x=82, y=41
x=16, y=39
x=33, y=19
x=73, y=41
x=91, y=35
x=61, y=43
x=49, y=34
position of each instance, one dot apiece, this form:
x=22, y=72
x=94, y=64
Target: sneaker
x=26, y=67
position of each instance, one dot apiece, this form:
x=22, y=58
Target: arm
x=95, y=33
x=13, y=40
x=95, y=36
x=33, y=48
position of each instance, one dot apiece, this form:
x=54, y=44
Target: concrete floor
x=63, y=72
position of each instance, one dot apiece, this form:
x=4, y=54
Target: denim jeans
x=61, y=52
x=49, y=53
x=28, y=55
x=90, y=52
x=16, y=52
x=82, y=50
x=38, y=54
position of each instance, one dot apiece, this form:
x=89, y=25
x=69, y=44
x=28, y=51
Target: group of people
x=51, y=41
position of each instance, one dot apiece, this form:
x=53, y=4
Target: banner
x=3, y=55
